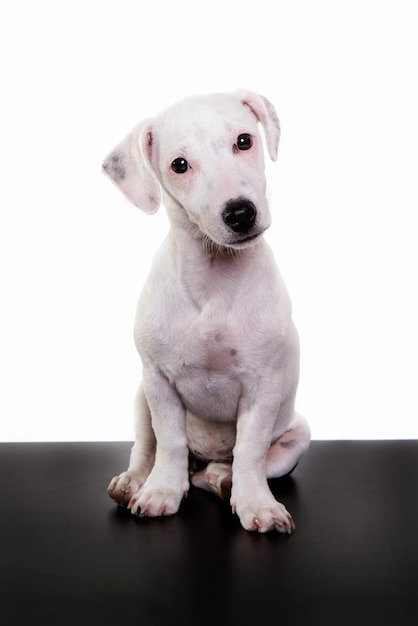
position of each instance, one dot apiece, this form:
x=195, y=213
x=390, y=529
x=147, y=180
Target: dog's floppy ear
x=129, y=167
x=266, y=114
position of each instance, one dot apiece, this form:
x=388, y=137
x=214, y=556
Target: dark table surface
x=69, y=556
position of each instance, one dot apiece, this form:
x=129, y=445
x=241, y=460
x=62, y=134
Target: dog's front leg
x=251, y=497
x=168, y=480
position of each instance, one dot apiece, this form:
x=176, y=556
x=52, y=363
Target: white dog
x=213, y=328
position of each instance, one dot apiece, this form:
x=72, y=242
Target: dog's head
x=206, y=154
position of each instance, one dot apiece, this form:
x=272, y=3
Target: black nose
x=239, y=215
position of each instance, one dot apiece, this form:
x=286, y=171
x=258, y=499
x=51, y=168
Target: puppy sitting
x=213, y=328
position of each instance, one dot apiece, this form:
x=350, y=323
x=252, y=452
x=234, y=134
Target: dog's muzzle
x=239, y=215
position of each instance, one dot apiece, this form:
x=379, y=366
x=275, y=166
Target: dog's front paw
x=263, y=515
x=122, y=487
x=157, y=498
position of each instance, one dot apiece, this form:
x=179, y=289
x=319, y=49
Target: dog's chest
x=211, y=336
x=208, y=372
x=218, y=343
x=215, y=348
x=208, y=345
x=216, y=337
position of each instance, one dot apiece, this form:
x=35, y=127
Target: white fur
x=213, y=328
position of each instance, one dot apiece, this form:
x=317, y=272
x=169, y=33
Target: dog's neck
x=207, y=272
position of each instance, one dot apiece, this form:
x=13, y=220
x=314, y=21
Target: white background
x=76, y=76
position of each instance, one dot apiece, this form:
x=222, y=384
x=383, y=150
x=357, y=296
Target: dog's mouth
x=230, y=247
x=245, y=241
x=248, y=238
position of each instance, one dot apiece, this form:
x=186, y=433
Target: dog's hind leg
x=284, y=453
x=123, y=486
x=216, y=477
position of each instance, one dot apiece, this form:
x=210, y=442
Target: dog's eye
x=180, y=166
x=244, y=141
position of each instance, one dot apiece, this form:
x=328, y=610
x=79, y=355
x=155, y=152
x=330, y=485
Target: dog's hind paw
x=122, y=487
x=216, y=478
